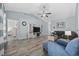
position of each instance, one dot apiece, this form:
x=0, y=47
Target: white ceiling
x=59, y=10
x=22, y=7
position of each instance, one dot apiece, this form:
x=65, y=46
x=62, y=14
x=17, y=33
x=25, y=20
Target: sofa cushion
x=73, y=47
x=62, y=42
x=55, y=49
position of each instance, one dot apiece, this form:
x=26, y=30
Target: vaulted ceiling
x=58, y=10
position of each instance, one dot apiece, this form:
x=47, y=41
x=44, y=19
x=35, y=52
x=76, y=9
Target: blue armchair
x=71, y=49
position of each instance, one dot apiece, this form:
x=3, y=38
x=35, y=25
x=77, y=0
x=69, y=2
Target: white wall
x=78, y=15
x=63, y=12
x=21, y=31
x=78, y=18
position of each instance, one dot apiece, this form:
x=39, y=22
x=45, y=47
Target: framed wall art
x=60, y=25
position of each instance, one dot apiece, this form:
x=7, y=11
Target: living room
x=32, y=29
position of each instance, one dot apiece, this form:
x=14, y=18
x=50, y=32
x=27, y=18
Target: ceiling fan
x=45, y=12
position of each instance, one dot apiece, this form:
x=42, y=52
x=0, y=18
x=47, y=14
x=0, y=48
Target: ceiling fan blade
x=39, y=14
x=48, y=13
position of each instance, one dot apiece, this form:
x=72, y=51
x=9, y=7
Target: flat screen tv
x=36, y=29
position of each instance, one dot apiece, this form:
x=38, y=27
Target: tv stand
x=38, y=34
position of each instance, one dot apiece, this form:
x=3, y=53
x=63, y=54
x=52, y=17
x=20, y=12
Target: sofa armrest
x=45, y=45
x=56, y=50
x=62, y=42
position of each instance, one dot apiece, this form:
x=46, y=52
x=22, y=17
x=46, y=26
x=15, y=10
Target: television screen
x=36, y=29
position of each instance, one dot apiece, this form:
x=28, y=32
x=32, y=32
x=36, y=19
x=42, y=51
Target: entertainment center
x=37, y=31
x=34, y=31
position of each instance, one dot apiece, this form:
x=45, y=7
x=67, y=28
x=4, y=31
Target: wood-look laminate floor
x=30, y=47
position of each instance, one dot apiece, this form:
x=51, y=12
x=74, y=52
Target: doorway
x=11, y=47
